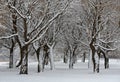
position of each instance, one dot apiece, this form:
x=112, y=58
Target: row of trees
x=37, y=26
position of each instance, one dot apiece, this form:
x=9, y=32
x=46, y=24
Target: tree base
x=24, y=69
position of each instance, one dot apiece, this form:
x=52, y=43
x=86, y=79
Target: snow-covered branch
x=20, y=14
x=40, y=21
x=6, y=37
x=45, y=27
x=107, y=49
x=107, y=41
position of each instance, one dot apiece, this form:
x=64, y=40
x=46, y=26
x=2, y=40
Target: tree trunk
x=74, y=55
x=106, y=60
x=41, y=58
x=97, y=59
x=38, y=59
x=90, y=59
x=106, y=63
x=84, y=56
x=93, y=54
x=71, y=61
x=45, y=59
x=51, y=58
x=14, y=30
x=93, y=60
x=39, y=68
x=45, y=56
x=24, y=63
x=11, y=58
x=65, y=59
x=11, y=55
x=24, y=66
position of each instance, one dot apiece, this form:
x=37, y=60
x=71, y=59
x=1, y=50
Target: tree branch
x=20, y=14
x=6, y=37
x=105, y=48
x=45, y=27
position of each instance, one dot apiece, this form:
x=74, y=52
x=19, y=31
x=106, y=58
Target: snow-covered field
x=80, y=73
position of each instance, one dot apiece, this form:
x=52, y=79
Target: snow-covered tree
x=31, y=25
x=95, y=20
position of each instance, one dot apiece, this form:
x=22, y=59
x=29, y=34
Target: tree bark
x=38, y=59
x=24, y=50
x=51, y=58
x=71, y=61
x=45, y=56
x=106, y=63
x=65, y=59
x=90, y=59
x=97, y=58
x=41, y=58
x=106, y=60
x=24, y=64
x=14, y=30
x=84, y=56
x=11, y=56
x=93, y=54
x=11, y=60
x=74, y=55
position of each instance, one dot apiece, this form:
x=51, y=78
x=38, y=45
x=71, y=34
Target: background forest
x=47, y=31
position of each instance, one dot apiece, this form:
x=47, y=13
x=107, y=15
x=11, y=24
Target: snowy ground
x=80, y=73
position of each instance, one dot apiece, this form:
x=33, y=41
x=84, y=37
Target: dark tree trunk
x=84, y=56
x=106, y=60
x=45, y=56
x=11, y=58
x=65, y=59
x=16, y=38
x=14, y=30
x=38, y=59
x=24, y=51
x=98, y=64
x=45, y=60
x=11, y=55
x=24, y=63
x=98, y=68
x=39, y=68
x=71, y=61
x=93, y=54
x=93, y=60
x=74, y=55
x=106, y=63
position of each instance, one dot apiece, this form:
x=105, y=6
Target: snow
x=6, y=37
x=80, y=73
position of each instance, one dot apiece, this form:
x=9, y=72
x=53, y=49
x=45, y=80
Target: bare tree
x=26, y=38
x=95, y=22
